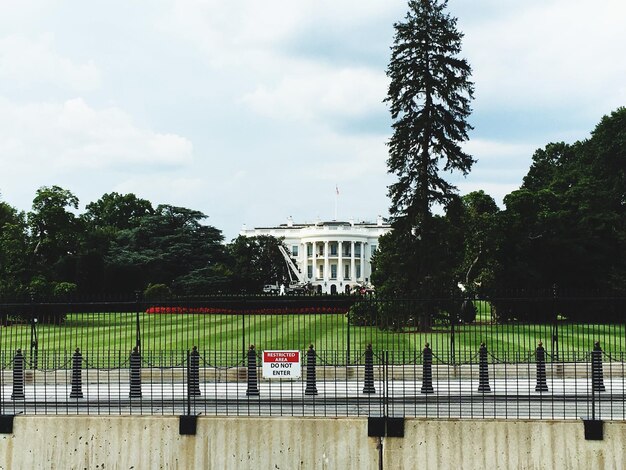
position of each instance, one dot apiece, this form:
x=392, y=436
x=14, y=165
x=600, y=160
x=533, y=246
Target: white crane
x=297, y=282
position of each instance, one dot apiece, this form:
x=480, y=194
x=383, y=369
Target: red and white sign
x=281, y=365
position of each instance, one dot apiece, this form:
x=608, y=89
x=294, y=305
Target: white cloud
x=72, y=136
x=489, y=149
x=550, y=54
x=228, y=30
x=27, y=61
x=164, y=188
x=315, y=92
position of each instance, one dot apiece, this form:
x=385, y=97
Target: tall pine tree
x=429, y=98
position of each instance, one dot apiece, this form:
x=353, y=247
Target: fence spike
x=18, y=376
x=135, y=373
x=427, y=370
x=77, y=381
x=193, y=375
x=368, y=386
x=540, y=358
x=597, y=374
x=253, y=381
x=311, y=374
x=483, y=370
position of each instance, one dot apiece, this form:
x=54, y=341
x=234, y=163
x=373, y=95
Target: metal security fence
x=357, y=357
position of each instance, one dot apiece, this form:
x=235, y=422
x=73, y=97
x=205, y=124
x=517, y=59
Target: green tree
x=55, y=233
x=14, y=251
x=256, y=261
x=429, y=98
x=566, y=225
x=171, y=247
x=103, y=220
x=480, y=235
x=119, y=211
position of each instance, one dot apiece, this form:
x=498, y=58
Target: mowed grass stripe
x=116, y=334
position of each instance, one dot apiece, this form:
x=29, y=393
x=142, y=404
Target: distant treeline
x=563, y=230
x=121, y=244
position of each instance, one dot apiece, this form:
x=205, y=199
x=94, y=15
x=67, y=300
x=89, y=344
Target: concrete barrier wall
x=504, y=444
x=153, y=442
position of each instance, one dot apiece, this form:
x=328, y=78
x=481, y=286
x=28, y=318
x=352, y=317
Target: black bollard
x=253, y=381
x=135, y=373
x=483, y=370
x=368, y=386
x=311, y=375
x=597, y=375
x=540, y=358
x=193, y=373
x=18, y=376
x=77, y=382
x=427, y=370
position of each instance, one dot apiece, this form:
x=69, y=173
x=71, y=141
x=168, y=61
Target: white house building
x=333, y=256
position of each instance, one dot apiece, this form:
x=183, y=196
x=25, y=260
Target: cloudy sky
x=252, y=111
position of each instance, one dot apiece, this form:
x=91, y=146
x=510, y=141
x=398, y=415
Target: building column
x=303, y=261
x=339, y=263
x=314, y=256
x=363, y=261
x=326, y=262
x=352, y=263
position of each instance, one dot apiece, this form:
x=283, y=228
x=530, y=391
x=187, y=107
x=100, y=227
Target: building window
x=358, y=271
x=309, y=271
x=321, y=276
x=333, y=271
x=333, y=249
x=357, y=249
x=294, y=250
x=346, y=271
x=373, y=249
x=309, y=249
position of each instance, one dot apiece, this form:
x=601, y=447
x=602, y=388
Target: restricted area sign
x=281, y=365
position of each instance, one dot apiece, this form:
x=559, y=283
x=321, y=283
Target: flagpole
x=336, y=198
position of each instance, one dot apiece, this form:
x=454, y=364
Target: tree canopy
x=122, y=244
x=429, y=99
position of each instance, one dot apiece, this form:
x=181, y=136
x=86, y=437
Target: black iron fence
x=355, y=357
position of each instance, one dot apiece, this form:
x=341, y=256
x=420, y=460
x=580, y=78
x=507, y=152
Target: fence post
x=597, y=375
x=77, y=382
x=311, y=375
x=18, y=376
x=427, y=370
x=135, y=373
x=483, y=370
x=540, y=358
x=193, y=374
x=368, y=387
x=253, y=381
x=555, y=324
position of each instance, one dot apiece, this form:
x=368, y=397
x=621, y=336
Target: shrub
x=156, y=291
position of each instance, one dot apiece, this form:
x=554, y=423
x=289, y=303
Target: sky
x=253, y=111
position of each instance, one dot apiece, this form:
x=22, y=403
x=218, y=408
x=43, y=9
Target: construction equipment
x=297, y=283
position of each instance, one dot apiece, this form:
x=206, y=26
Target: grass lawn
x=222, y=339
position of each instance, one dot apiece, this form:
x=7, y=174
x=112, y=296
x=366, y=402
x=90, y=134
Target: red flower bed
x=259, y=311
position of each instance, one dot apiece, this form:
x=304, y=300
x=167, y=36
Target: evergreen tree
x=429, y=97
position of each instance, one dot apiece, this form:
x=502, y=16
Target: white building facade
x=333, y=256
